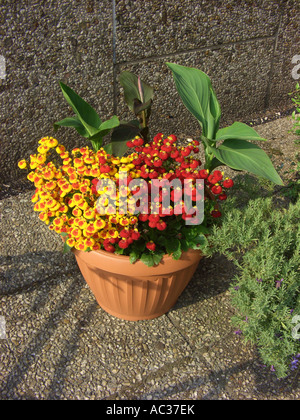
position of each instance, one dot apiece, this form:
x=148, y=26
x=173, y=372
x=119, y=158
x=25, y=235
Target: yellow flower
x=71, y=242
x=52, y=142
x=77, y=212
x=43, y=149
x=76, y=233
x=58, y=222
x=89, y=213
x=43, y=216
x=89, y=242
x=60, y=149
x=99, y=224
x=34, y=198
x=22, y=164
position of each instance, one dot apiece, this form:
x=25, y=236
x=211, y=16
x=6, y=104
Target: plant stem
x=212, y=197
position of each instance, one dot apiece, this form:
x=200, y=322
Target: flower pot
x=134, y=291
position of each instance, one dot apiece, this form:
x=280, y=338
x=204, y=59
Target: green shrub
x=264, y=243
x=296, y=114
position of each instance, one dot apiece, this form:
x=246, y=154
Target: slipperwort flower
x=100, y=201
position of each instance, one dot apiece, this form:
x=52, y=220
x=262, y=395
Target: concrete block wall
x=245, y=46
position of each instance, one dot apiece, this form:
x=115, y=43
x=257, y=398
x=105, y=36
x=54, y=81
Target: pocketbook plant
x=83, y=197
x=138, y=196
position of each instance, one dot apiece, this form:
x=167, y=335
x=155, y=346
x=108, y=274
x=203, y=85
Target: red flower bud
x=151, y=246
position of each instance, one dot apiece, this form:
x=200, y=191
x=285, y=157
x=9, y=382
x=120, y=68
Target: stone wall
x=245, y=46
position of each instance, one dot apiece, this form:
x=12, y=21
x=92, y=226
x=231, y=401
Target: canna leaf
x=85, y=113
x=121, y=134
x=72, y=122
x=239, y=131
x=132, y=90
x=197, y=94
x=245, y=156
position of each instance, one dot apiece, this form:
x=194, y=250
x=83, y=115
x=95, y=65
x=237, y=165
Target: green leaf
x=157, y=257
x=134, y=256
x=199, y=242
x=121, y=134
x=239, y=131
x=85, y=113
x=130, y=84
x=67, y=248
x=177, y=254
x=72, y=122
x=147, y=259
x=172, y=245
x=108, y=125
x=197, y=94
x=245, y=156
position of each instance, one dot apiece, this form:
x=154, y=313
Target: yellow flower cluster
x=66, y=195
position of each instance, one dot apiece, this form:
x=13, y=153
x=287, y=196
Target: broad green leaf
x=245, y=156
x=139, y=106
x=134, y=256
x=157, y=257
x=85, y=113
x=121, y=134
x=67, y=248
x=239, y=131
x=197, y=94
x=108, y=125
x=129, y=82
x=172, y=245
x=104, y=129
x=177, y=254
x=72, y=122
x=147, y=259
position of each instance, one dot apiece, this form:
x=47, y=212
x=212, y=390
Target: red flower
x=203, y=173
x=161, y=225
x=163, y=155
x=124, y=243
x=185, y=152
x=216, y=189
x=216, y=213
x=195, y=163
x=151, y=246
x=222, y=197
x=143, y=217
x=138, y=142
x=105, y=169
x=172, y=138
x=154, y=218
x=108, y=247
x=124, y=233
x=135, y=235
x=174, y=154
x=227, y=183
x=157, y=162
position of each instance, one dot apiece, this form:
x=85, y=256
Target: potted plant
x=136, y=212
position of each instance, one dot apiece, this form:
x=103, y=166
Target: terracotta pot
x=134, y=291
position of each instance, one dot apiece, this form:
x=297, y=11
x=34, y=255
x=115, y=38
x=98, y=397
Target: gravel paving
x=60, y=345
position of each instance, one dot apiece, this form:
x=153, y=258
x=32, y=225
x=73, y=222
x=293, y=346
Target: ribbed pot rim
x=120, y=264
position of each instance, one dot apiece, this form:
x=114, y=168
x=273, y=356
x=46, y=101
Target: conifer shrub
x=264, y=243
